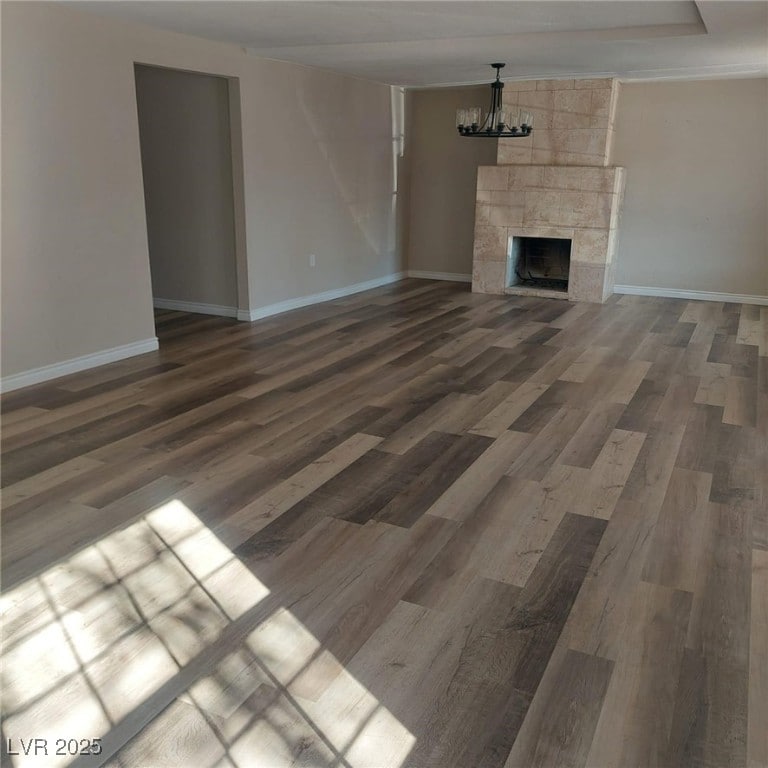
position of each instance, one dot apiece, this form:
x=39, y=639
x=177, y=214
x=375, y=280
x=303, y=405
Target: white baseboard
x=316, y=298
x=191, y=306
x=674, y=293
x=454, y=277
x=75, y=364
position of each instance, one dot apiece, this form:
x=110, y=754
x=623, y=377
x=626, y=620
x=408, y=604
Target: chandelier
x=499, y=121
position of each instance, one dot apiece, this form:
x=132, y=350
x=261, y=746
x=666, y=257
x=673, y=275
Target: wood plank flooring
x=413, y=527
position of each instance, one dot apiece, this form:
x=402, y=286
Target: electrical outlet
x=312, y=259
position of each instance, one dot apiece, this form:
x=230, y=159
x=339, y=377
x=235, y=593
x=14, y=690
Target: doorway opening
x=191, y=159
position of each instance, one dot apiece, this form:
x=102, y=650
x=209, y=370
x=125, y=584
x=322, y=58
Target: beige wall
x=695, y=214
x=442, y=172
x=75, y=274
x=696, y=206
x=317, y=175
x=187, y=171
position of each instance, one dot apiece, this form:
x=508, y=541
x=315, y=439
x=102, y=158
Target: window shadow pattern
x=146, y=620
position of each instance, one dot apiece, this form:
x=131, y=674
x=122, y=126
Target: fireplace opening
x=540, y=262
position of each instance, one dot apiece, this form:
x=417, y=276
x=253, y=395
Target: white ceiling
x=415, y=43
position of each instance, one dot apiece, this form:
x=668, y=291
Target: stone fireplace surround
x=580, y=204
x=562, y=189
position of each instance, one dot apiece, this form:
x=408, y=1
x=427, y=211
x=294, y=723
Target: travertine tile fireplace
x=555, y=184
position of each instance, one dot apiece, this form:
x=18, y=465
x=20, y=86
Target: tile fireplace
x=568, y=196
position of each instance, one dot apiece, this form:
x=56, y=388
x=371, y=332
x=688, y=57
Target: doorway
x=186, y=136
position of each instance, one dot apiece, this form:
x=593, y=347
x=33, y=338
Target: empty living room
x=384, y=384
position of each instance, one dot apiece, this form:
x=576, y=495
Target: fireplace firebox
x=540, y=262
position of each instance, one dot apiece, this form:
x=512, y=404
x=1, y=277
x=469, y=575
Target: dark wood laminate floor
x=413, y=527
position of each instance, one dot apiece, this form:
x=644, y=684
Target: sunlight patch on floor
x=88, y=641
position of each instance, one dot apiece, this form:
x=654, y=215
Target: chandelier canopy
x=499, y=121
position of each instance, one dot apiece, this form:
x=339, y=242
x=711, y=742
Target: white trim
x=191, y=306
x=316, y=298
x=455, y=277
x=698, y=73
x=521, y=79
x=714, y=72
x=676, y=293
x=75, y=364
